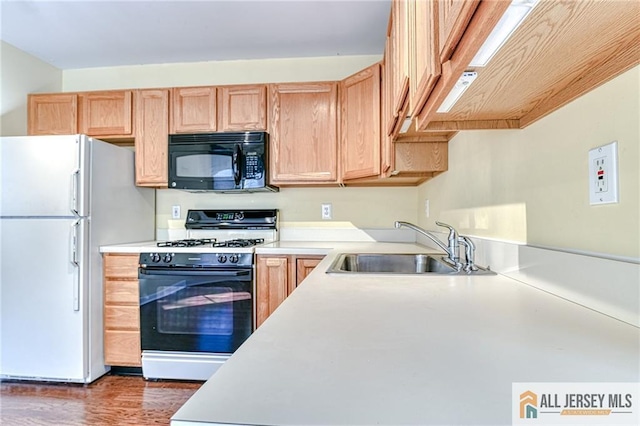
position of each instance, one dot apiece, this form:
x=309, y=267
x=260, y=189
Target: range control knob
x=155, y=257
x=167, y=258
x=222, y=258
x=234, y=258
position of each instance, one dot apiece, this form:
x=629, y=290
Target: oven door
x=195, y=311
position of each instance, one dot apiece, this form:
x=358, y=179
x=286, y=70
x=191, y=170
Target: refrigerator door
x=43, y=315
x=44, y=176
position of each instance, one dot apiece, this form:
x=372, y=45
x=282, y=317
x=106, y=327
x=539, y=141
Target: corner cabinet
x=304, y=133
x=360, y=107
x=151, y=142
x=121, y=310
x=277, y=276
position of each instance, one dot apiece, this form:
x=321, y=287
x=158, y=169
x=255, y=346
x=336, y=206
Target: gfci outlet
x=326, y=211
x=175, y=212
x=426, y=208
x=603, y=174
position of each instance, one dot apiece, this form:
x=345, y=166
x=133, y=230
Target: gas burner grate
x=187, y=243
x=245, y=242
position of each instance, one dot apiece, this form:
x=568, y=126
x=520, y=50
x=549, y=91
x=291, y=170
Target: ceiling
x=90, y=33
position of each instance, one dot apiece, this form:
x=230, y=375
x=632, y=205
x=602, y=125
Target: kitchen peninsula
x=351, y=349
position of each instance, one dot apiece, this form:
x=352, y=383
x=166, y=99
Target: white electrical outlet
x=603, y=174
x=175, y=212
x=327, y=211
x=426, y=208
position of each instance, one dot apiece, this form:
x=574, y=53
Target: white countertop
x=439, y=350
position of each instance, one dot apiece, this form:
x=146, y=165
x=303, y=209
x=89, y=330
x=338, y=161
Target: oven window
x=204, y=165
x=197, y=310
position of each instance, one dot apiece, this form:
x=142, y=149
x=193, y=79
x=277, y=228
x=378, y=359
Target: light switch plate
x=603, y=174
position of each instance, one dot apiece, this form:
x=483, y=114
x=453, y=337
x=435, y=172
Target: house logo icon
x=528, y=405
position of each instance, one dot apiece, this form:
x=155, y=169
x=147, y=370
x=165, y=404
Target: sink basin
x=374, y=263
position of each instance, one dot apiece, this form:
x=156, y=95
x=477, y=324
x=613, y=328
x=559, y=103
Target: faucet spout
x=452, y=250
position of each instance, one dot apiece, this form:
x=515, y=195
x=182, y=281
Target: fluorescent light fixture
x=462, y=84
x=515, y=14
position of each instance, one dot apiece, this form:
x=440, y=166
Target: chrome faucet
x=452, y=250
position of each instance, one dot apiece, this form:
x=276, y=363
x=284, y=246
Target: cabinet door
x=453, y=18
x=272, y=284
x=52, y=114
x=152, y=133
x=106, y=113
x=122, y=348
x=304, y=266
x=242, y=108
x=193, y=109
x=424, y=66
x=304, y=133
x=400, y=55
x=361, y=124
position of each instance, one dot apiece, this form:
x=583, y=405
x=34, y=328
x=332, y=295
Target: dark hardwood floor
x=110, y=400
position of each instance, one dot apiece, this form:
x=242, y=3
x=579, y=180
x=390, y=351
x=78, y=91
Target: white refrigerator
x=62, y=197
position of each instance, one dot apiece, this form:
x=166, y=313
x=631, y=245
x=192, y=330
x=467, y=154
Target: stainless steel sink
x=392, y=263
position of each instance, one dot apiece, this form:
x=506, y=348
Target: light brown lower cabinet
x=276, y=277
x=121, y=310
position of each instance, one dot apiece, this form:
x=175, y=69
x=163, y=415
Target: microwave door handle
x=237, y=164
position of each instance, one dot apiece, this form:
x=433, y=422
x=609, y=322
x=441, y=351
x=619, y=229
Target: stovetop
x=189, y=242
x=212, y=242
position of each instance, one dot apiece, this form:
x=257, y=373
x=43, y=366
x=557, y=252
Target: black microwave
x=220, y=162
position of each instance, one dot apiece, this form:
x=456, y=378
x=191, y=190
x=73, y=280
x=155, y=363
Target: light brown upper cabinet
x=551, y=59
x=397, y=70
x=304, y=133
x=106, y=114
x=52, y=114
x=151, y=144
x=424, y=61
x=219, y=109
x=453, y=18
x=360, y=124
x=193, y=109
x=242, y=108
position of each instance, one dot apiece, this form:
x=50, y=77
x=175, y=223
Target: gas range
x=225, y=235
x=197, y=295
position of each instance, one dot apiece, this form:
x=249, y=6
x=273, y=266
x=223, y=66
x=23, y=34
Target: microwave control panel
x=253, y=167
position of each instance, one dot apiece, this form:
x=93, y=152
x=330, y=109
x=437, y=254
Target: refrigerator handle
x=74, y=262
x=74, y=192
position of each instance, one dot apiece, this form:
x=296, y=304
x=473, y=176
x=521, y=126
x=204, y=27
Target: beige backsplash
x=361, y=207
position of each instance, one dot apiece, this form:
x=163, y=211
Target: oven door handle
x=191, y=272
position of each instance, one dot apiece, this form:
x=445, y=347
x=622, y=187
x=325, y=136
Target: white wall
x=531, y=185
x=21, y=74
